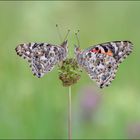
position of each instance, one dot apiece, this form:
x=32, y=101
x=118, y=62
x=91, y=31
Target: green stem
x=69, y=115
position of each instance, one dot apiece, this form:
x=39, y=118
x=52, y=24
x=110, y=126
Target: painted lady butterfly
x=42, y=57
x=101, y=61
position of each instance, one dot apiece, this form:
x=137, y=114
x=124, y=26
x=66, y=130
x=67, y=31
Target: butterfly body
x=101, y=61
x=42, y=56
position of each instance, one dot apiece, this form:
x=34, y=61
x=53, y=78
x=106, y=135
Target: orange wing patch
x=103, y=52
x=108, y=53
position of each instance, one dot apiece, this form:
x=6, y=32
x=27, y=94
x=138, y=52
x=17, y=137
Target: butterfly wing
x=118, y=49
x=42, y=56
x=101, y=61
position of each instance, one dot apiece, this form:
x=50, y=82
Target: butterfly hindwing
x=101, y=61
x=42, y=56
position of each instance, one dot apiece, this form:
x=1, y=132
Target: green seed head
x=69, y=72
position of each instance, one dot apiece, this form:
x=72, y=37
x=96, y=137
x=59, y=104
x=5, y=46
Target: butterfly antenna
x=66, y=35
x=76, y=34
x=58, y=31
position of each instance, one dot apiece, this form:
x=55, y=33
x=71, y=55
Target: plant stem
x=69, y=114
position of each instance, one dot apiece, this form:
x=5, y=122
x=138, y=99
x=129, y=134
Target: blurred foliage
x=37, y=108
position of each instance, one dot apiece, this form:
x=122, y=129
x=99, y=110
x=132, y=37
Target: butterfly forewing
x=42, y=56
x=101, y=61
x=118, y=49
x=25, y=50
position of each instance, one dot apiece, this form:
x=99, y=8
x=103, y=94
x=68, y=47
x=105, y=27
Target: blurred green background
x=37, y=108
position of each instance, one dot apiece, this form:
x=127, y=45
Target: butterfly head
x=64, y=44
x=77, y=49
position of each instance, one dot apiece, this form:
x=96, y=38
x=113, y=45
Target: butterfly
x=101, y=61
x=42, y=57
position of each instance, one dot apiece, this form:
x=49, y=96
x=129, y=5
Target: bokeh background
x=37, y=108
